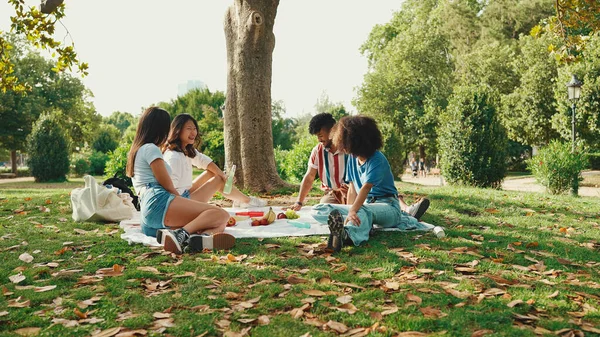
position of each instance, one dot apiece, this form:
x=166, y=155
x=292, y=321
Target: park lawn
x=512, y=264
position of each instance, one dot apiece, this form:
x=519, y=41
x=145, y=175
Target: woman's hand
x=353, y=218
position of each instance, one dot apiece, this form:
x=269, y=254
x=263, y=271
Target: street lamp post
x=574, y=88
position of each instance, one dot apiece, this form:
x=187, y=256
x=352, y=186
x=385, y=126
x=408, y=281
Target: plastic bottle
x=229, y=181
x=439, y=231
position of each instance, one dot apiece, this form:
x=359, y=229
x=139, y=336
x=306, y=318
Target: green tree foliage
x=48, y=150
x=507, y=19
x=284, y=129
x=472, y=141
x=122, y=120
x=62, y=93
x=37, y=27
x=527, y=111
x=195, y=102
x=292, y=164
x=587, y=121
x=555, y=166
x=106, y=139
x=98, y=163
x=410, y=75
x=116, y=166
x=574, y=22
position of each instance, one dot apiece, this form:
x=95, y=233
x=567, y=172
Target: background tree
x=473, y=143
x=106, y=139
x=527, y=111
x=284, y=129
x=122, y=120
x=410, y=74
x=37, y=26
x=48, y=150
x=248, y=139
x=60, y=92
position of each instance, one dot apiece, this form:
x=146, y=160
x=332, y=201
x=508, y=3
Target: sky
x=140, y=51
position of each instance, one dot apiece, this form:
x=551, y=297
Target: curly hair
x=320, y=121
x=174, y=143
x=357, y=135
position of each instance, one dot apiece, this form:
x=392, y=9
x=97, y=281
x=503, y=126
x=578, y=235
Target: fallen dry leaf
x=138, y=332
x=81, y=315
x=28, y=331
x=337, y=326
x=3, y=313
x=348, y=308
x=313, y=292
x=480, y=333
x=149, y=269
x=108, y=332
x=344, y=299
x=17, y=304
x=293, y=279
x=389, y=310
x=17, y=278
x=43, y=289
x=25, y=257
x=512, y=304
x=554, y=294
x=430, y=312
x=411, y=334
x=414, y=298
x=392, y=285
x=263, y=320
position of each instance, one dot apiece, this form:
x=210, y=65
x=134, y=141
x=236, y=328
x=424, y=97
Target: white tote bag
x=98, y=203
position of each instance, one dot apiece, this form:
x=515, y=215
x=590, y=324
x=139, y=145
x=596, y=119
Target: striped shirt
x=330, y=166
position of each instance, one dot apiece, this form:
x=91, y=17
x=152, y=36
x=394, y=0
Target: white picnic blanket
x=243, y=229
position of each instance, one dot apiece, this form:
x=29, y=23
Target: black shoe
x=336, y=231
x=419, y=208
x=218, y=241
x=175, y=240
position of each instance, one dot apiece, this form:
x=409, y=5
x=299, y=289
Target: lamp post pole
x=573, y=127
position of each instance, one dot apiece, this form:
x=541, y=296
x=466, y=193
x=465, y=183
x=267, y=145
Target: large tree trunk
x=13, y=161
x=247, y=116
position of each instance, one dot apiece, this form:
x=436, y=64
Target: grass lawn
x=512, y=264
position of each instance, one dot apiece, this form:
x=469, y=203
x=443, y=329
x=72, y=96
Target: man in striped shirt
x=325, y=161
x=330, y=164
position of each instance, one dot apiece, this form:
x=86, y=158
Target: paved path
x=16, y=180
x=525, y=184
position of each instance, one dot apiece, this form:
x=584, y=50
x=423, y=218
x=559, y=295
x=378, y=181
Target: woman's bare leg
x=207, y=184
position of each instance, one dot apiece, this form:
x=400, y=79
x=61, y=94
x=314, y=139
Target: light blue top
x=376, y=170
x=142, y=172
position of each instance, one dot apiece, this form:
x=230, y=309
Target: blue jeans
x=154, y=203
x=384, y=212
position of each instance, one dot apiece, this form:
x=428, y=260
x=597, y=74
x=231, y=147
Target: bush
x=98, y=163
x=48, y=151
x=116, y=166
x=472, y=142
x=280, y=161
x=557, y=168
x=80, y=164
x=292, y=163
x=106, y=139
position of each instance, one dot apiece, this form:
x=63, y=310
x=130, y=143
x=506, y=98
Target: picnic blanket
x=243, y=229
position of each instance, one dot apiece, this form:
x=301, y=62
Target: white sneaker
x=419, y=208
x=254, y=202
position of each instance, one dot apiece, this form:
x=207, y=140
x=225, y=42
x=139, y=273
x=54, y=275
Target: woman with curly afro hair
x=372, y=195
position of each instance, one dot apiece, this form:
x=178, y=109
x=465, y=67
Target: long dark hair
x=173, y=141
x=153, y=127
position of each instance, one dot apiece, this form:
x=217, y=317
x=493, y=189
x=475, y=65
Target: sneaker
x=418, y=208
x=160, y=234
x=254, y=202
x=175, y=240
x=218, y=241
x=336, y=231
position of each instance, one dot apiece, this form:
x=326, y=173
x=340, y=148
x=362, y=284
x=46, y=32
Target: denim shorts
x=153, y=207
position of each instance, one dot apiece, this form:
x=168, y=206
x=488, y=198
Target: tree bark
x=13, y=161
x=247, y=117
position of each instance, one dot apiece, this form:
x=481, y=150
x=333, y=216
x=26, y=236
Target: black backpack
x=123, y=186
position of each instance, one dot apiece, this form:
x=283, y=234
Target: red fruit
x=264, y=222
x=281, y=216
x=255, y=223
x=231, y=222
